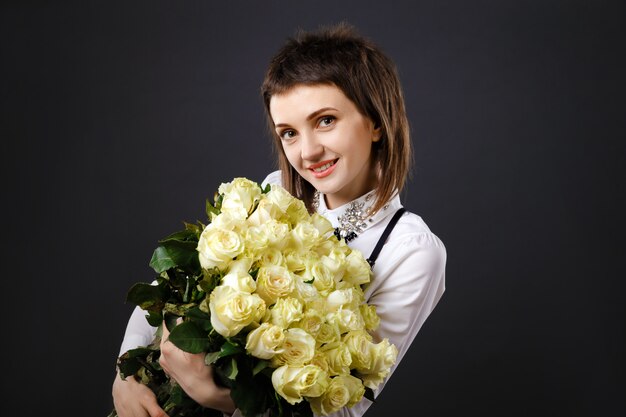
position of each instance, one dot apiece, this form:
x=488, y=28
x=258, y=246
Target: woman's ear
x=377, y=133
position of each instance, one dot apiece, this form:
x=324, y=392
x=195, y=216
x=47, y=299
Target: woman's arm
x=194, y=376
x=407, y=288
x=133, y=399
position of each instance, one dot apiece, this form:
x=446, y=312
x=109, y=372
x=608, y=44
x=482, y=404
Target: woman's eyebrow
x=318, y=112
x=310, y=116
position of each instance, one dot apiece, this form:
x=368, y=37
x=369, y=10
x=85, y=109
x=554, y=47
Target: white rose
x=277, y=234
x=232, y=310
x=311, y=322
x=343, y=391
x=384, y=355
x=321, y=223
x=340, y=298
x=240, y=265
x=294, y=383
x=265, y=341
x=317, y=304
x=280, y=197
x=218, y=247
x=360, y=344
x=346, y=319
x=319, y=359
x=239, y=197
x=272, y=256
x=239, y=281
x=372, y=380
x=273, y=282
x=296, y=261
x=325, y=248
x=304, y=235
x=305, y=290
x=328, y=333
x=298, y=349
x=265, y=211
x=320, y=276
x=297, y=212
x=355, y=387
x=358, y=271
x=335, y=261
x=372, y=361
x=370, y=318
x=286, y=311
x=256, y=239
x=338, y=358
x=226, y=221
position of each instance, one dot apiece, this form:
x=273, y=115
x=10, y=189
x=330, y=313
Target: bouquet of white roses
x=275, y=301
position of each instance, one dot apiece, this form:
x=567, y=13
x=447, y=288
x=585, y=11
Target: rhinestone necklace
x=354, y=220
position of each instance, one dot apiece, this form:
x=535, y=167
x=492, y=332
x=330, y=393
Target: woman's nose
x=310, y=149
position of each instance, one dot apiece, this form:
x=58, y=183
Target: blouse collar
x=353, y=218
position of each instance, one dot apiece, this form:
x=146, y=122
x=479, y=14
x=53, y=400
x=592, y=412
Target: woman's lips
x=323, y=169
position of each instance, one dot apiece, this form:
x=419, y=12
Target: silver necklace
x=353, y=221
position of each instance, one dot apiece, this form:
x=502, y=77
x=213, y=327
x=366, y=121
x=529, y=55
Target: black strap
x=383, y=238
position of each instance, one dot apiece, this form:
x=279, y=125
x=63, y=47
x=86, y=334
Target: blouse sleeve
x=409, y=281
x=138, y=331
x=414, y=282
x=272, y=178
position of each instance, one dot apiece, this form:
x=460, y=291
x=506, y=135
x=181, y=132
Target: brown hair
x=339, y=56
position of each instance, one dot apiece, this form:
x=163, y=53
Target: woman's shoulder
x=273, y=178
x=413, y=231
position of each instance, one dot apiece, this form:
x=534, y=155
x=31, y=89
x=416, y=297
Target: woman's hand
x=133, y=399
x=194, y=376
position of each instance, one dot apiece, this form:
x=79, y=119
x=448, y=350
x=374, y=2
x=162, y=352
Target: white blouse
x=408, y=280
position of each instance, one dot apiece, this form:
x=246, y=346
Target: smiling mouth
x=324, y=168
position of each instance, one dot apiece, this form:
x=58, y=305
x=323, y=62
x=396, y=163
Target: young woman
x=336, y=110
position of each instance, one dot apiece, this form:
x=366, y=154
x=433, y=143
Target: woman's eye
x=287, y=134
x=326, y=121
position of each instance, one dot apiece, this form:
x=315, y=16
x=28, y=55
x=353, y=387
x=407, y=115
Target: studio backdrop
x=119, y=119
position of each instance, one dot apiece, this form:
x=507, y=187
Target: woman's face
x=327, y=140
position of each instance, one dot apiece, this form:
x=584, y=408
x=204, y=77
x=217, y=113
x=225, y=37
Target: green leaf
x=233, y=370
x=161, y=260
x=196, y=229
x=210, y=279
x=260, y=365
x=155, y=318
x=200, y=318
x=267, y=189
x=253, y=395
x=183, y=254
x=229, y=349
x=176, y=253
x=179, y=310
x=170, y=321
x=218, y=201
x=177, y=395
x=369, y=394
x=131, y=361
x=186, y=235
x=211, y=210
x=189, y=337
x=211, y=357
x=146, y=296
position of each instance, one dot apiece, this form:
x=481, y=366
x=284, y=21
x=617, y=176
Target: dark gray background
x=119, y=119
